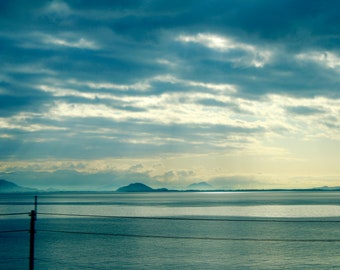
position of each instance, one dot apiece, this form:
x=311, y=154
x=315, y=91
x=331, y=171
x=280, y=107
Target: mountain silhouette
x=8, y=187
x=200, y=186
x=138, y=187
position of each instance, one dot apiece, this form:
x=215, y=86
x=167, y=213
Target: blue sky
x=241, y=94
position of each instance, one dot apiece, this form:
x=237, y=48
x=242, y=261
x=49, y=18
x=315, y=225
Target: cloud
x=235, y=182
x=58, y=7
x=157, y=78
x=250, y=54
x=326, y=59
x=176, y=178
x=304, y=110
x=136, y=167
x=80, y=43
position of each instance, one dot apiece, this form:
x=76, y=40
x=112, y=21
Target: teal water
x=251, y=230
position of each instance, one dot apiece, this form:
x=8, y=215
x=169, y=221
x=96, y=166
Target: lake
x=169, y=230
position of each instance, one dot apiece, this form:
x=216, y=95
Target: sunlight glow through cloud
x=257, y=57
x=328, y=59
x=80, y=43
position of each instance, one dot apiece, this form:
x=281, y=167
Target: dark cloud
x=19, y=98
x=121, y=59
x=228, y=105
x=304, y=110
x=87, y=141
x=212, y=102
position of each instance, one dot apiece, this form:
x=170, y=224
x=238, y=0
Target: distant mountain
x=9, y=187
x=327, y=188
x=200, y=186
x=139, y=187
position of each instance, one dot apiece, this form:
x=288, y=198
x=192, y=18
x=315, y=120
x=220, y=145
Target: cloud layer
x=215, y=89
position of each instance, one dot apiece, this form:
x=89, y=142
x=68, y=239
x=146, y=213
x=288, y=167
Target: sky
x=239, y=94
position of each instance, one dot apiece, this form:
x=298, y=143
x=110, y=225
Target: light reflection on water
x=268, y=211
x=244, y=204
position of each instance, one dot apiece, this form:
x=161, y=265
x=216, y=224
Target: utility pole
x=33, y=216
x=32, y=234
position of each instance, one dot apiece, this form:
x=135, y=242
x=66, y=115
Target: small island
x=10, y=187
x=139, y=187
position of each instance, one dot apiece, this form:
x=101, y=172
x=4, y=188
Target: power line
x=14, y=214
x=193, y=219
x=193, y=237
x=185, y=218
x=14, y=231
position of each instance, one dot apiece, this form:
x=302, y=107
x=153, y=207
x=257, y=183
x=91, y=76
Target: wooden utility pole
x=33, y=216
x=32, y=235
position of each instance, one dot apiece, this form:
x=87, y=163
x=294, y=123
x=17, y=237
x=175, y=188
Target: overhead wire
x=188, y=219
x=14, y=214
x=192, y=237
x=202, y=238
x=192, y=218
x=14, y=231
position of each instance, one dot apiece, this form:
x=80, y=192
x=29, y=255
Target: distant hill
x=327, y=188
x=200, y=186
x=139, y=187
x=9, y=187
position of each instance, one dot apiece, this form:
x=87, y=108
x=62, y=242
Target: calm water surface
x=250, y=230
